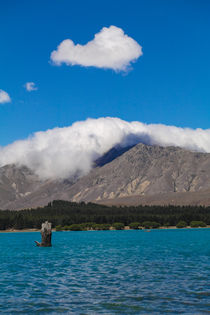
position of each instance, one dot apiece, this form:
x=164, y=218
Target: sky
x=167, y=80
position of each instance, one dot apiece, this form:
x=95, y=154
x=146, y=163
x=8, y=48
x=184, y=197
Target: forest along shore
x=81, y=216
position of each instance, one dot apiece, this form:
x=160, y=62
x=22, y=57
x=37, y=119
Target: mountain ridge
x=139, y=172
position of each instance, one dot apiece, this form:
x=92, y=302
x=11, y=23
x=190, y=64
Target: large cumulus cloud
x=65, y=152
x=111, y=48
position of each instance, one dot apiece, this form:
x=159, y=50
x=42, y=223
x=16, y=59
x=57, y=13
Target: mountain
x=21, y=188
x=145, y=171
x=16, y=183
x=140, y=174
x=111, y=155
x=201, y=197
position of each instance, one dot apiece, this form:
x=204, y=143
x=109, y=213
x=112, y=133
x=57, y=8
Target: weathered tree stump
x=46, y=232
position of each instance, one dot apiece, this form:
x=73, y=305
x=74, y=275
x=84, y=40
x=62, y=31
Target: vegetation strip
x=66, y=215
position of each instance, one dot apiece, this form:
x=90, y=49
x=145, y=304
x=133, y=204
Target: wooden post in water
x=46, y=232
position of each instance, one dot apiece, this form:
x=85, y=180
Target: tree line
x=65, y=213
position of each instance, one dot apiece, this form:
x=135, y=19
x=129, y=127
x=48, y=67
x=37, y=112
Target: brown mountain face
x=20, y=188
x=16, y=183
x=143, y=174
x=145, y=171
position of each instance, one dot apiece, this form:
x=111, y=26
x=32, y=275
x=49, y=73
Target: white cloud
x=63, y=152
x=30, y=86
x=4, y=97
x=111, y=48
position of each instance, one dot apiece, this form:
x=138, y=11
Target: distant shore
x=111, y=229
x=15, y=230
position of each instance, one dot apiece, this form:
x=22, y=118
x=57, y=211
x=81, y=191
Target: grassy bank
x=127, y=228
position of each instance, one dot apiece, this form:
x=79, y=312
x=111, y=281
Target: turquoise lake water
x=106, y=272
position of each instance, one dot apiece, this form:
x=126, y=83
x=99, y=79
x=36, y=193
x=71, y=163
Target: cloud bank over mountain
x=69, y=151
x=111, y=48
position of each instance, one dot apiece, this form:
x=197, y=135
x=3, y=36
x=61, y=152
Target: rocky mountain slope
x=146, y=174
x=16, y=183
x=21, y=188
x=145, y=170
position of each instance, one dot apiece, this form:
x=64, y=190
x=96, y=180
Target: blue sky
x=169, y=84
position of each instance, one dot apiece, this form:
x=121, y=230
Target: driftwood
x=46, y=232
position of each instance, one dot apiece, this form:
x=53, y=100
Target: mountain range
x=142, y=174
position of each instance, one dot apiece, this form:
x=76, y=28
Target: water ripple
x=116, y=272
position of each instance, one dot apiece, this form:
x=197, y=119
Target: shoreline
x=127, y=228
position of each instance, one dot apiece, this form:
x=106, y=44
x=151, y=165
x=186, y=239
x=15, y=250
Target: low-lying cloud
x=64, y=152
x=4, y=97
x=111, y=48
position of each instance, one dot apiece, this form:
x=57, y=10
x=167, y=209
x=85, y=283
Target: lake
x=106, y=272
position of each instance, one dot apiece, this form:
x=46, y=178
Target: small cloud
x=30, y=86
x=4, y=97
x=111, y=48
